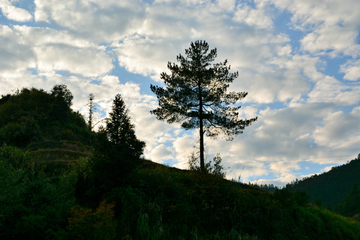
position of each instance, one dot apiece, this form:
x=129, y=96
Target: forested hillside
x=60, y=180
x=331, y=186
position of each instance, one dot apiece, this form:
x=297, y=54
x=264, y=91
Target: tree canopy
x=195, y=95
x=118, y=150
x=61, y=91
x=120, y=130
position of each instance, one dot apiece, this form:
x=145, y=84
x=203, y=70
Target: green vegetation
x=62, y=181
x=349, y=205
x=331, y=186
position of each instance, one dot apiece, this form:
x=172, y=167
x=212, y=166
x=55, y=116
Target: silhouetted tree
x=61, y=91
x=119, y=129
x=91, y=110
x=196, y=95
x=117, y=150
x=61, y=105
x=4, y=98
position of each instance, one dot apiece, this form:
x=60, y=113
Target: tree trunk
x=202, y=161
x=201, y=132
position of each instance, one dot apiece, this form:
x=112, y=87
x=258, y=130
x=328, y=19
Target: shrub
x=87, y=224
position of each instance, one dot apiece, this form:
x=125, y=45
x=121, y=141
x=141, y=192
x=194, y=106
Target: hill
x=349, y=205
x=59, y=180
x=44, y=124
x=331, y=186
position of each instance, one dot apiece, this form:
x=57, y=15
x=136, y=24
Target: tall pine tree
x=118, y=150
x=120, y=131
x=195, y=94
x=91, y=111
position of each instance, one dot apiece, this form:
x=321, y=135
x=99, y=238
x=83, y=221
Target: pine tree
x=196, y=96
x=120, y=131
x=91, y=110
x=117, y=150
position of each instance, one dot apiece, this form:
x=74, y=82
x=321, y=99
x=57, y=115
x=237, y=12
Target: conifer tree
x=91, y=110
x=195, y=95
x=117, y=150
x=119, y=129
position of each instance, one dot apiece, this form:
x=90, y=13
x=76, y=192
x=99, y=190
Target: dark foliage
x=350, y=204
x=33, y=206
x=144, y=200
x=4, y=98
x=267, y=187
x=117, y=152
x=62, y=92
x=23, y=113
x=330, y=186
x=120, y=131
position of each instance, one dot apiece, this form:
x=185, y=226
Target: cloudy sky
x=299, y=60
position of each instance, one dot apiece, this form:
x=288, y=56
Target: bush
x=87, y=224
x=33, y=206
x=20, y=133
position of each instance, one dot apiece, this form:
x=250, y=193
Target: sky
x=299, y=61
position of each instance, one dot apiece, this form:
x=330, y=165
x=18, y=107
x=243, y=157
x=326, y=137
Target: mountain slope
x=44, y=124
x=331, y=186
x=146, y=201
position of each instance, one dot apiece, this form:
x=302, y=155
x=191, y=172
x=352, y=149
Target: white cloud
x=14, y=56
x=252, y=16
x=161, y=153
x=14, y=13
x=86, y=62
x=331, y=26
x=281, y=78
x=39, y=36
x=183, y=147
x=144, y=56
x=340, y=130
x=351, y=70
x=330, y=90
x=283, y=168
x=326, y=169
x=335, y=38
x=97, y=20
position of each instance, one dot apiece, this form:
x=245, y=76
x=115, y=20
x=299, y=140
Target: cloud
x=331, y=26
x=351, y=69
x=161, y=153
x=340, y=130
x=97, y=20
x=15, y=56
x=252, y=16
x=144, y=56
x=39, y=36
x=183, y=147
x=281, y=78
x=326, y=169
x=331, y=90
x=59, y=57
x=283, y=168
x=14, y=13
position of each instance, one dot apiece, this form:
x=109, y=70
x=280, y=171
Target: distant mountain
x=350, y=204
x=332, y=186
